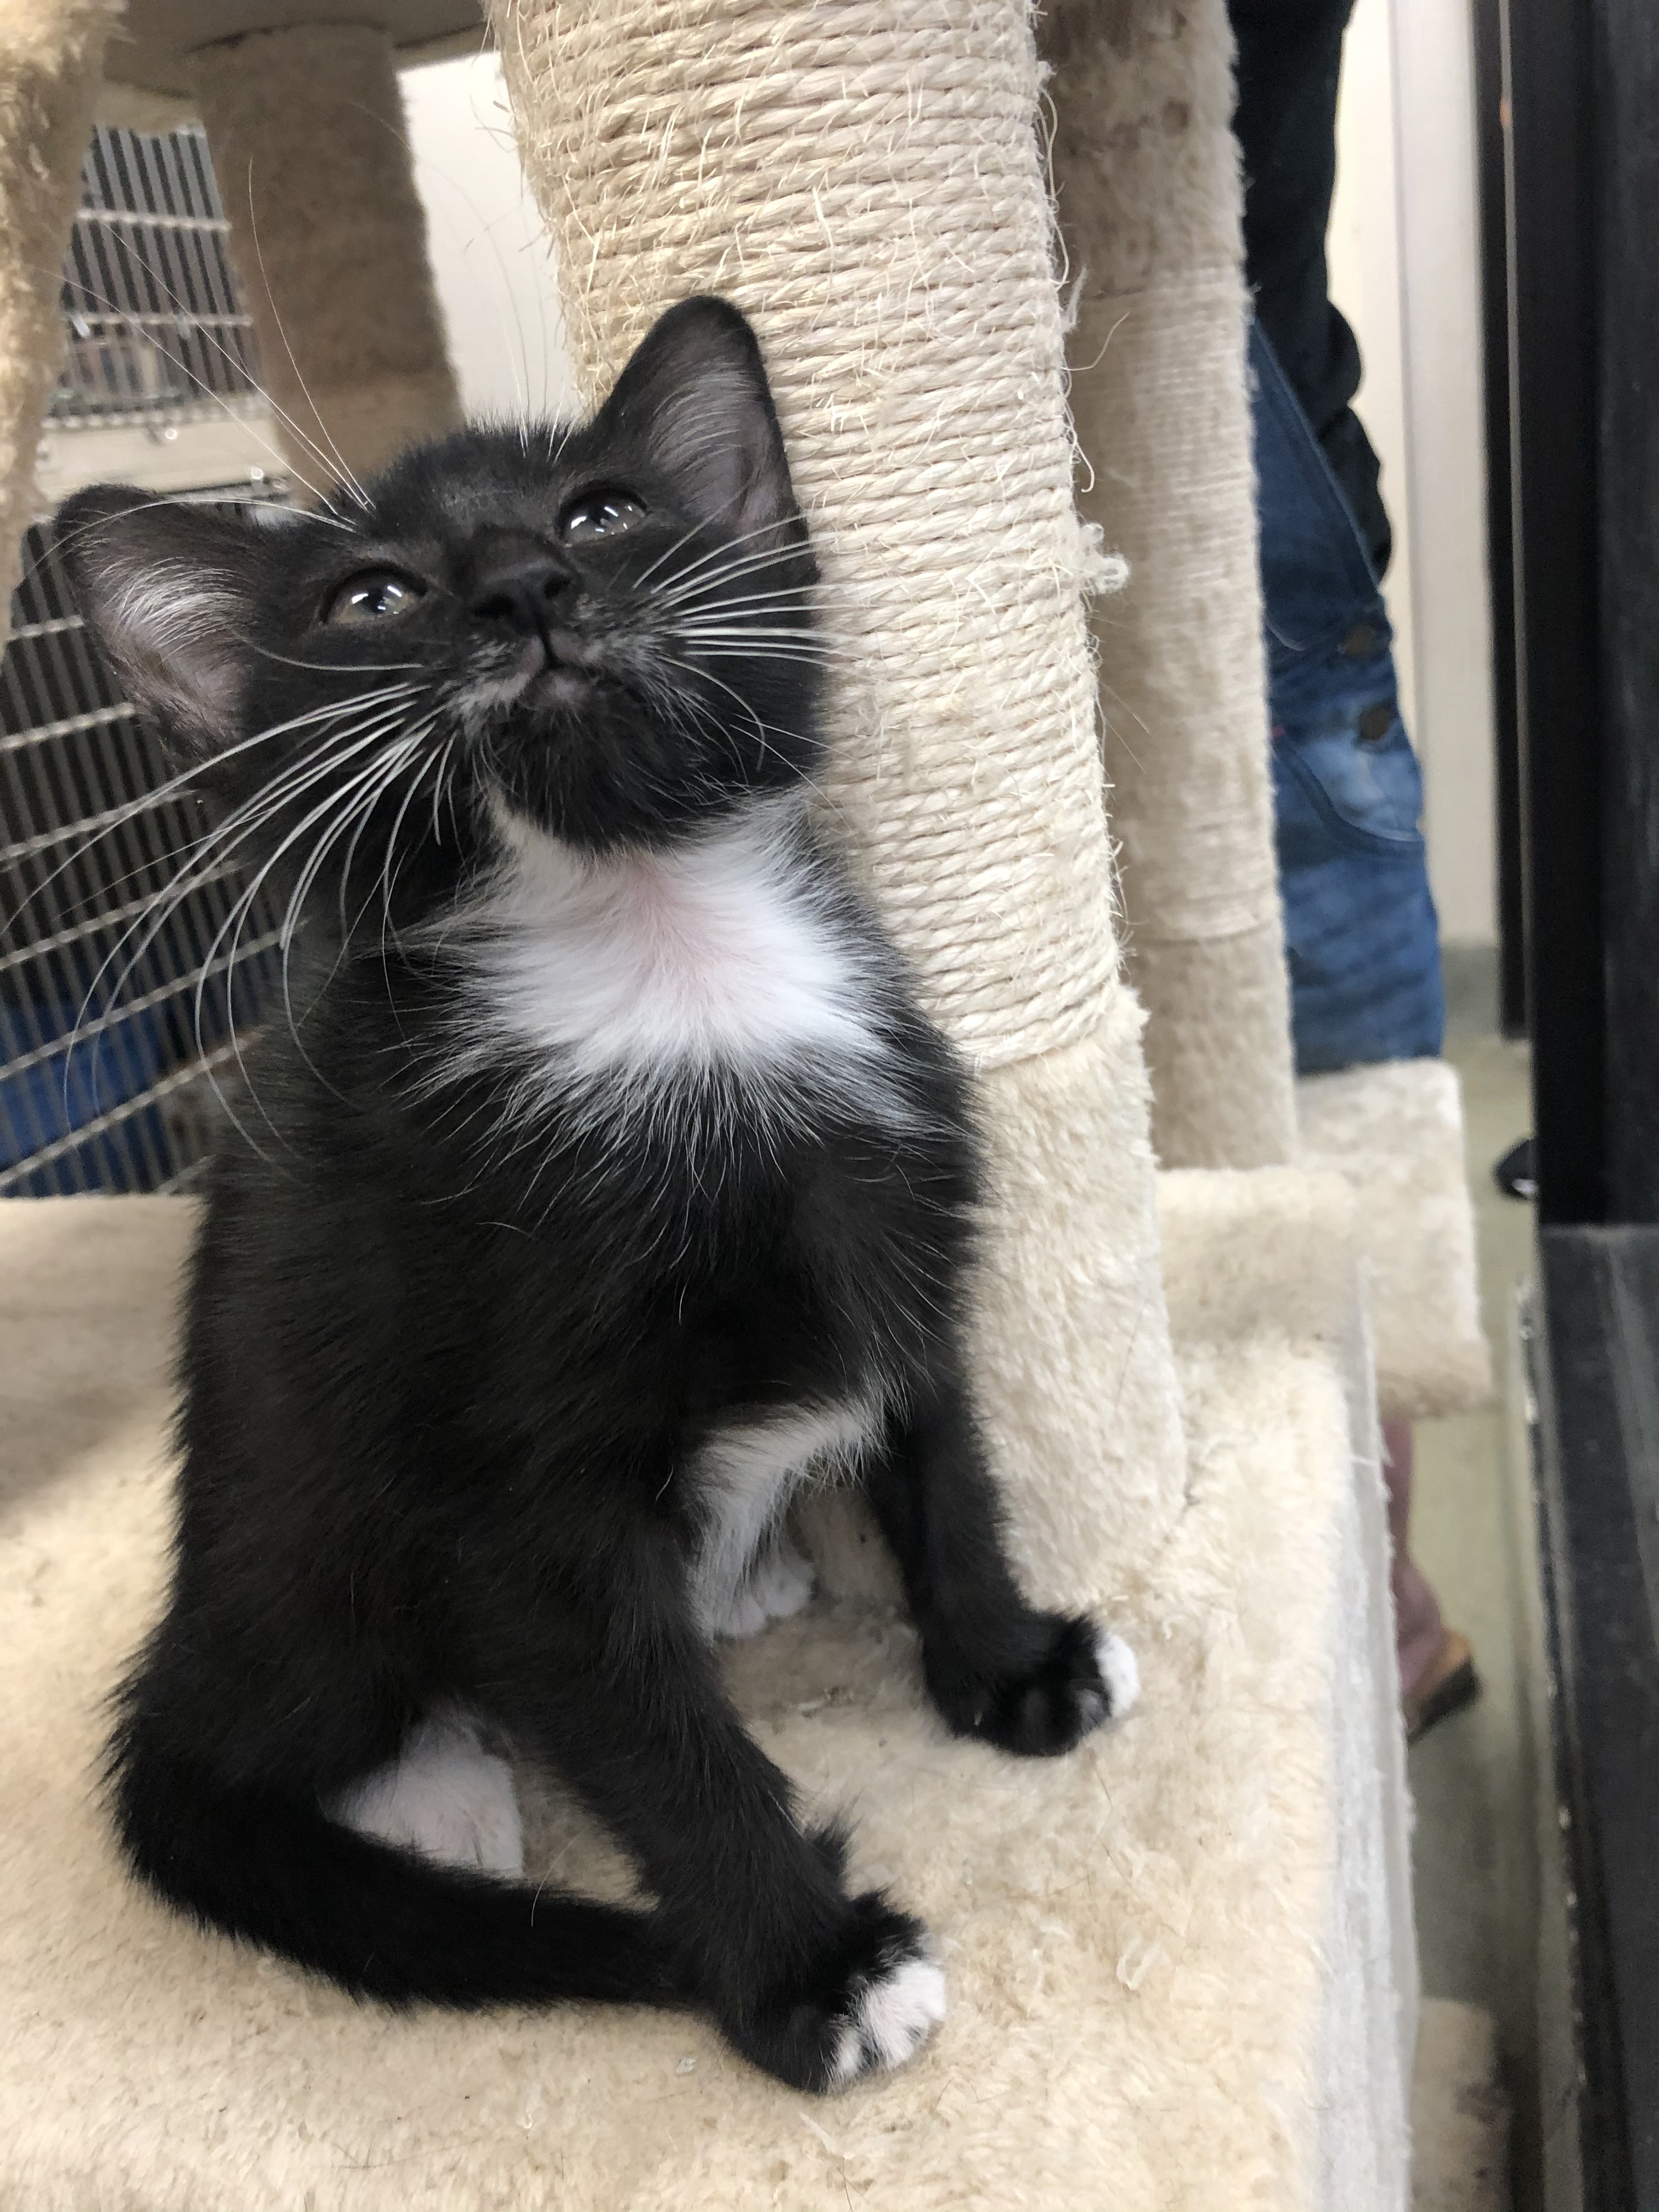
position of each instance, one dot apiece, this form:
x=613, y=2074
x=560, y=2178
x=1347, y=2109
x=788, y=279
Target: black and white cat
x=599, y=1183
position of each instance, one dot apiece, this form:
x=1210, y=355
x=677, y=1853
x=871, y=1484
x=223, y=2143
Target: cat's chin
x=557, y=689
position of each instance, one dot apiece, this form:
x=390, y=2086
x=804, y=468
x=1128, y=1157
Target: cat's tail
x=381, y=1922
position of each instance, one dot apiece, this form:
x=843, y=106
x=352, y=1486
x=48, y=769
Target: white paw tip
x=895, y=2017
x=746, y=1618
x=779, y=1585
x=1119, y=1672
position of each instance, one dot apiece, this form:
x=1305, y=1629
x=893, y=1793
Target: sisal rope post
x=865, y=179
x=50, y=67
x=1146, y=180
x=306, y=131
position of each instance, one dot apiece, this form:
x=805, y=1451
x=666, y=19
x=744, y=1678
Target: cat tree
x=51, y=68
x=1180, y=1963
x=305, y=125
x=1144, y=170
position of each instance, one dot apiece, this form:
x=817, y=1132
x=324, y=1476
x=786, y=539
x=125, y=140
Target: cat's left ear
x=170, y=590
x=695, y=398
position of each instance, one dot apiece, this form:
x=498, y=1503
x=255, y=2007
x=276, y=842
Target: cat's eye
x=605, y=512
x=373, y=595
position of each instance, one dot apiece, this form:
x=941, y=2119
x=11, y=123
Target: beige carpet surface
x=1141, y=1941
x=1395, y=1132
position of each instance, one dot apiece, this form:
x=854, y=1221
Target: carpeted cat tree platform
x=1172, y=1959
x=1180, y=1963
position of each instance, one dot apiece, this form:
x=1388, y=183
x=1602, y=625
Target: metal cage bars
x=113, y=1031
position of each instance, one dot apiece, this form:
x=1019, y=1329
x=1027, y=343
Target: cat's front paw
x=1075, y=1676
x=866, y=2007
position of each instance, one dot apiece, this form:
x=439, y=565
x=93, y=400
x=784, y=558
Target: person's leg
x=1418, y=1628
x=1361, y=936
x=1436, y=1668
x=1289, y=63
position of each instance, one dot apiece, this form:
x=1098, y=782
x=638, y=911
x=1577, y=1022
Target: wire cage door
x=116, y=1019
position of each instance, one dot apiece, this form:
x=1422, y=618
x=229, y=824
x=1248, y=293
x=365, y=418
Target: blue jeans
x=1361, y=936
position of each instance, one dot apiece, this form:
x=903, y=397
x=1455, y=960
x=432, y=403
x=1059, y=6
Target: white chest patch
x=719, y=954
x=745, y=1571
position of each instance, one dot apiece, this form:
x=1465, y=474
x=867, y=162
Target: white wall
x=1405, y=270
x=493, y=264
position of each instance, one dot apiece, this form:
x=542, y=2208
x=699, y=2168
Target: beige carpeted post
x=51, y=57
x=305, y=128
x=1145, y=174
x=864, y=179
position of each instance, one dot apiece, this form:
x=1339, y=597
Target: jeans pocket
x=1352, y=778
x=1360, y=935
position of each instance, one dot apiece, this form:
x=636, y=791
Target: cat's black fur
x=457, y=1327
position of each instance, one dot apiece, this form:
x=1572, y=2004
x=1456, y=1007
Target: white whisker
x=340, y=460
x=377, y=778
x=314, y=764
x=244, y=907
x=389, y=885
x=689, y=584
x=180, y=782
x=214, y=847
x=728, y=560
x=123, y=315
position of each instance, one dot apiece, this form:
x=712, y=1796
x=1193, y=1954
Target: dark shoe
x=1513, y=1174
x=1447, y=1684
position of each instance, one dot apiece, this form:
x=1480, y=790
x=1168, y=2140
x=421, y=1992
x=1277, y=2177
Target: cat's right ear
x=695, y=399
x=170, y=590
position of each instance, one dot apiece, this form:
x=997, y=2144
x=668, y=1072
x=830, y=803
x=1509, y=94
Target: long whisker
x=444, y=758
x=341, y=463
x=106, y=826
x=760, y=727
x=281, y=415
x=61, y=540
x=729, y=545
x=718, y=620
x=790, y=643
x=126, y=315
x=639, y=582
x=798, y=598
x=700, y=575
x=348, y=927
x=709, y=657
x=340, y=460
x=365, y=814
x=334, y=668
x=388, y=884
x=306, y=513
x=377, y=778
x=384, y=768
x=727, y=560
x=210, y=850
x=213, y=848
x=240, y=908
x=244, y=906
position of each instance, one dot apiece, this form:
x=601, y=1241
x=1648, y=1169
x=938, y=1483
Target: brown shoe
x=1446, y=1685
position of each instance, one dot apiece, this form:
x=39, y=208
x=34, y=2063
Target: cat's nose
x=522, y=592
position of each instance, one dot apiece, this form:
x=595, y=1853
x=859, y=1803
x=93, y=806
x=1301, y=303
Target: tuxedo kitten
x=596, y=1183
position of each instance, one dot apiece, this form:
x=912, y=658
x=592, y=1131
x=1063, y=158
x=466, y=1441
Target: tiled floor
x=1471, y=1777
